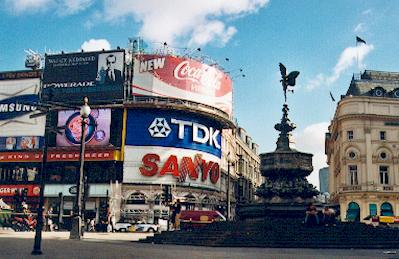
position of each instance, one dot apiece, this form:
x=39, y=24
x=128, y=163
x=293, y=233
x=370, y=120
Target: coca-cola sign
x=182, y=78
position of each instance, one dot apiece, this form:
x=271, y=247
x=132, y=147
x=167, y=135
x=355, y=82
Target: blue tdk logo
x=159, y=128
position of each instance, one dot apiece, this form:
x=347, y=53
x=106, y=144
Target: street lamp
x=229, y=163
x=39, y=226
x=76, y=231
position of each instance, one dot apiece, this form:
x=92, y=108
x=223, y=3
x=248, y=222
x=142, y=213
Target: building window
x=384, y=175
x=350, y=134
x=382, y=135
x=373, y=209
x=379, y=92
x=136, y=198
x=352, y=155
x=383, y=155
x=353, y=175
x=353, y=212
x=386, y=209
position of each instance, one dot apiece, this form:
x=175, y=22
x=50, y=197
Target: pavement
x=122, y=245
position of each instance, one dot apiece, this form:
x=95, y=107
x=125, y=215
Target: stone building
x=362, y=147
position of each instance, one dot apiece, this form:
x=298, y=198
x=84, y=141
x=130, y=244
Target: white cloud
x=94, y=45
x=19, y=6
x=366, y=12
x=63, y=7
x=200, y=22
x=68, y=7
x=349, y=57
x=311, y=140
x=215, y=29
x=361, y=27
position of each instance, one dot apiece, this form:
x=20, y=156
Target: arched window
x=136, y=198
x=386, y=209
x=353, y=212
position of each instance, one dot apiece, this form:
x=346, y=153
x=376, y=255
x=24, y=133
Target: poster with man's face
x=96, y=75
x=110, y=68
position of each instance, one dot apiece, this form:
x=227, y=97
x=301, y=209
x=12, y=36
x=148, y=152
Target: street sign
x=73, y=189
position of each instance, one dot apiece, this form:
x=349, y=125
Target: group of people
x=314, y=218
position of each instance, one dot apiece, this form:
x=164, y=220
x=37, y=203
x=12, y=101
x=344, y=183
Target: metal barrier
x=156, y=100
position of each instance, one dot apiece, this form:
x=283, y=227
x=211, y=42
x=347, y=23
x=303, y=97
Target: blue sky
x=315, y=37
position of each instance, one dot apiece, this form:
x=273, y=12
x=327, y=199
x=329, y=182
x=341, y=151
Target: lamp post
x=39, y=226
x=228, y=187
x=76, y=231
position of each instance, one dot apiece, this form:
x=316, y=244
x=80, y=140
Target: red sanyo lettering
x=171, y=166
x=188, y=165
x=150, y=166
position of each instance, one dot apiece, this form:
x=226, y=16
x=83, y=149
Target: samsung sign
x=17, y=106
x=173, y=129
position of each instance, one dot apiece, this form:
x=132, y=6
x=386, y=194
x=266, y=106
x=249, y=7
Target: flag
x=332, y=97
x=359, y=40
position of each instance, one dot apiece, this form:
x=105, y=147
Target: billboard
x=20, y=143
x=182, y=78
x=166, y=128
x=97, y=128
x=166, y=165
x=97, y=75
x=9, y=190
x=14, y=110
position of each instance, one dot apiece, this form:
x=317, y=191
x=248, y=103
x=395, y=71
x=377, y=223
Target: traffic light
x=166, y=195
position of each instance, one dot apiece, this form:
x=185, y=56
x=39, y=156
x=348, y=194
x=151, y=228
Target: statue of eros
x=287, y=80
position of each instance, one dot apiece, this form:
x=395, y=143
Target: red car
x=199, y=218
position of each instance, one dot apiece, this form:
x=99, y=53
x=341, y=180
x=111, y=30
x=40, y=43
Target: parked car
x=122, y=226
x=144, y=227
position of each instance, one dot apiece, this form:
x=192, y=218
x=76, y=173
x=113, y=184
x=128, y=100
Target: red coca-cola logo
x=188, y=74
x=206, y=76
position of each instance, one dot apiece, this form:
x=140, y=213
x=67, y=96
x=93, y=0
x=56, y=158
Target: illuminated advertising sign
x=97, y=128
x=9, y=190
x=97, y=75
x=24, y=74
x=20, y=143
x=15, y=96
x=153, y=127
x=182, y=78
x=166, y=165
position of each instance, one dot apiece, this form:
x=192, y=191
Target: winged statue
x=287, y=80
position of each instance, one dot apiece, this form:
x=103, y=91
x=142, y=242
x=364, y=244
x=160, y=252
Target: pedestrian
x=177, y=210
x=92, y=225
x=173, y=215
x=311, y=218
x=328, y=216
x=113, y=222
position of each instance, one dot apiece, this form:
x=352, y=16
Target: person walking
x=177, y=211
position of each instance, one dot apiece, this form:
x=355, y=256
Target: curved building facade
x=362, y=147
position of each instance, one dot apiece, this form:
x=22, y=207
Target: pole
x=228, y=191
x=39, y=226
x=76, y=231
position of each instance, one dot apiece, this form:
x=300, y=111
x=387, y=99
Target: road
x=120, y=245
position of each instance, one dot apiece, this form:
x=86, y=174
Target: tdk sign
x=208, y=135
x=173, y=129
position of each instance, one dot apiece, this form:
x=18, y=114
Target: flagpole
x=357, y=54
